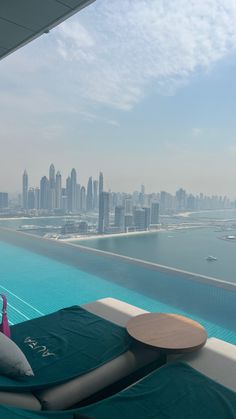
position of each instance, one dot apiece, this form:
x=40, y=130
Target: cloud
x=196, y=132
x=120, y=49
x=92, y=118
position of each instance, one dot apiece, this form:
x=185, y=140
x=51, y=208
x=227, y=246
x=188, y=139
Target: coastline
x=185, y=222
x=105, y=236
x=130, y=233
x=40, y=217
x=183, y=214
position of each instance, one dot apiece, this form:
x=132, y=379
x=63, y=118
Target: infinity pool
x=36, y=284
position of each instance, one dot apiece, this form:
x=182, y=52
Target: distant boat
x=211, y=258
x=231, y=237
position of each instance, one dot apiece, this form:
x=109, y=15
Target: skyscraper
x=3, y=200
x=89, y=198
x=25, y=190
x=44, y=192
x=95, y=195
x=128, y=205
x=128, y=221
x=37, y=198
x=52, y=176
x=191, y=203
x=73, y=190
x=155, y=212
x=51, y=198
x=78, y=189
x=100, y=188
x=139, y=218
x=180, y=199
x=103, y=218
x=58, y=191
x=142, y=218
x=120, y=217
x=142, y=195
x=83, y=199
x=31, y=198
x=166, y=202
x=68, y=194
x=52, y=188
x=147, y=217
x=64, y=203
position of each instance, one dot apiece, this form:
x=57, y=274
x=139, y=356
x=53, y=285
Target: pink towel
x=4, y=326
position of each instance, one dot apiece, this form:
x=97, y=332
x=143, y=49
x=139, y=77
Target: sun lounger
x=217, y=360
x=174, y=391
x=203, y=380
x=73, y=391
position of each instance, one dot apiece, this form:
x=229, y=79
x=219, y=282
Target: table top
x=169, y=332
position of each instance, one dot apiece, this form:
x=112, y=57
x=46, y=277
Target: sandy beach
x=105, y=236
x=130, y=233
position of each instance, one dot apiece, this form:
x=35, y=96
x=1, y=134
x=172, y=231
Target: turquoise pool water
x=37, y=285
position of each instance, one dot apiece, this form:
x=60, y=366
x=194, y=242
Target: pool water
x=36, y=285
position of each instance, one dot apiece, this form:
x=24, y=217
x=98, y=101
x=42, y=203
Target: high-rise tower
x=95, y=195
x=52, y=182
x=89, y=198
x=142, y=218
x=58, y=191
x=180, y=199
x=3, y=200
x=78, y=191
x=68, y=194
x=25, y=190
x=100, y=188
x=52, y=188
x=142, y=196
x=120, y=217
x=103, y=219
x=73, y=190
x=128, y=205
x=155, y=213
x=44, y=193
x=83, y=199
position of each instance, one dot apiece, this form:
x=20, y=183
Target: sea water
x=185, y=249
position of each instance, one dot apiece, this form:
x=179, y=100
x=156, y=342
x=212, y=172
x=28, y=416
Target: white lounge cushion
x=66, y=395
x=21, y=400
x=217, y=360
x=114, y=310
x=13, y=362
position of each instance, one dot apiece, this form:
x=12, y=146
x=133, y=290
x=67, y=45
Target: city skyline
x=55, y=192
x=83, y=180
x=55, y=178
x=114, y=212
x=141, y=96
x=55, y=175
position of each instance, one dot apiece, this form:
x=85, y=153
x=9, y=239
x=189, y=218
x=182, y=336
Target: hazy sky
x=144, y=90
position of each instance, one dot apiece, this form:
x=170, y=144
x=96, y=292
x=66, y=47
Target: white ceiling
x=23, y=20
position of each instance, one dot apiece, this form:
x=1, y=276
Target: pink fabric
x=4, y=327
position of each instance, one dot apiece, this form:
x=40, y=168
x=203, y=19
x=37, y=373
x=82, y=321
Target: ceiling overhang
x=21, y=21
